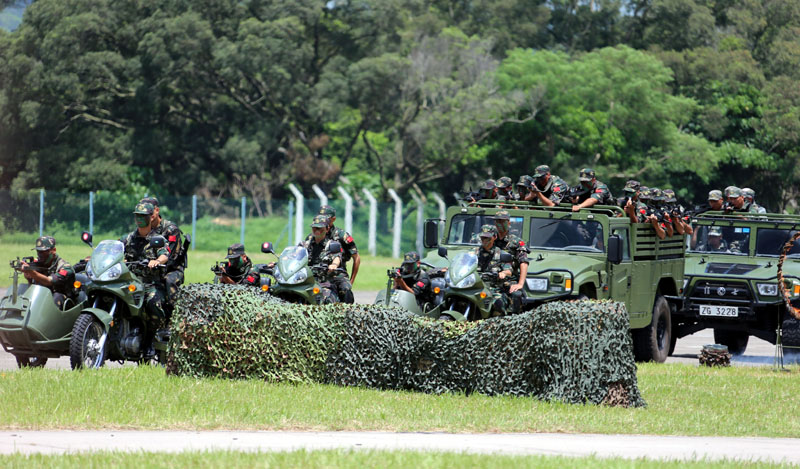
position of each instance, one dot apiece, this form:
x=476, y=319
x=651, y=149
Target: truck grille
x=721, y=290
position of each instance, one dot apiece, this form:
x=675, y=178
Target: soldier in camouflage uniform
x=415, y=280
x=51, y=271
x=524, y=187
x=505, y=189
x=489, y=261
x=633, y=206
x=548, y=189
x=318, y=246
x=679, y=218
x=238, y=268
x=734, y=199
x=645, y=196
x=176, y=263
x=515, y=246
x=714, y=243
x=489, y=189
x=596, y=192
x=349, y=251
x=138, y=248
x=749, y=201
x=714, y=202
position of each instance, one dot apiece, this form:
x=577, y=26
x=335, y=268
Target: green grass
x=371, y=274
x=341, y=458
x=682, y=400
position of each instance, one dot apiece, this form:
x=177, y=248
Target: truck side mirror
x=86, y=237
x=614, y=249
x=430, y=238
x=442, y=251
x=158, y=242
x=506, y=257
x=266, y=248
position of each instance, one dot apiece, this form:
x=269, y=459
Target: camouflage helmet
x=669, y=195
x=489, y=184
x=631, y=186
x=149, y=200
x=327, y=210
x=644, y=193
x=319, y=221
x=45, y=243
x=502, y=215
x=732, y=191
x=411, y=257
x=487, y=231
x=541, y=171
x=144, y=208
x=748, y=193
x=235, y=250
x=504, y=183
x=716, y=194
x=715, y=231
x=525, y=181
x=586, y=174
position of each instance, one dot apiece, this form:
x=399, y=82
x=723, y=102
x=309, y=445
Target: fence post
x=291, y=214
x=398, y=223
x=41, y=212
x=323, y=198
x=348, y=209
x=244, y=211
x=420, y=220
x=373, y=219
x=298, y=221
x=91, y=212
x=442, y=207
x=194, y=221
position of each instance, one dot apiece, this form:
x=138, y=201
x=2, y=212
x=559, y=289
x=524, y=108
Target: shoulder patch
x=420, y=284
x=522, y=243
x=556, y=189
x=250, y=278
x=62, y=272
x=173, y=238
x=598, y=191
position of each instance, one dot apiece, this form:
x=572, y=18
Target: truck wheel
x=652, y=343
x=36, y=361
x=736, y=341
x=84, y=347
x=790, y=336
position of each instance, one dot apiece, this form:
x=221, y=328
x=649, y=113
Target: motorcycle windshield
x=292, y=259
x=105, y=255
x=463, y=265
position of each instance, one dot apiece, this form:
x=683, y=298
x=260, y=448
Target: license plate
x=724, y=311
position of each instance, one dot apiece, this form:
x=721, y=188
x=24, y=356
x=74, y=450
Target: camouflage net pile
x=714, y=355
x=577, y=352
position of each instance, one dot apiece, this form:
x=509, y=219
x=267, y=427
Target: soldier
x=51, y=271
x=350, y=251
x=420, y=283
x=137, y=248
x=505, y=189
x=317, y=244
x=524, y=186
x=750, y=203
x=734, y=199
x=238, y=268
x=714, y=202
x=714, y=241
x=489, y=189
x=645, y=195
x=516, y=247
x=489, y=261
x=548, y=190
x=177, y=258
x=676, y=211
x=633, y=206
x=658, y=210
x=595, y=192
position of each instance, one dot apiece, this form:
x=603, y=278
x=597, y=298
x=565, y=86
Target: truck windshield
x=769, y=242
x=567, y=235
x=720, y=240
x=464, y=228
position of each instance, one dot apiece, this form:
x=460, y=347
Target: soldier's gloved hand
x=154, y=263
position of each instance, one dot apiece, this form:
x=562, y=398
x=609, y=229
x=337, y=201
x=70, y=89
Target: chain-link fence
x=214, y=223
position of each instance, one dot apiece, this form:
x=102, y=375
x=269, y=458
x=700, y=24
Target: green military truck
x=594, y=253
x=731, y=278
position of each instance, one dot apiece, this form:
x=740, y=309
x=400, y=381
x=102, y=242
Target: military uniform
x=598, y=190
x=349, y=249
x=320, y=255
x=489, y=261
x=417, y=279
x=512, y=244
x=60, y=272
x=174, y=278
x=749, y=199
x=554, y=189
x=715, y=194
x=722, y=247
x=505, y=189
x=138, y=248
x=239, y=267
x=631, y=189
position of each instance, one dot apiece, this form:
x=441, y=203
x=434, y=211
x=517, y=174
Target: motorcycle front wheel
x=84, y=347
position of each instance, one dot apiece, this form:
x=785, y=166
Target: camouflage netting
x=574, y=352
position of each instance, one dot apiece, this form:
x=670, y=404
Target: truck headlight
x=537, y=284
x=467, y=281
x=767, y=289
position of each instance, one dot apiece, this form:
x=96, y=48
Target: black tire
x=790, y=336
x=83, y=347
x=672, y=342
x=736, y=341
x=27, y=361
x=652, y=343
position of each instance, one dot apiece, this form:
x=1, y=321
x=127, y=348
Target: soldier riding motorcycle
x=299, y=282
x=415, y=287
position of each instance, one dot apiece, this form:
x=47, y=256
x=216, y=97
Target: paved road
x=758, y=351
x=777, y=450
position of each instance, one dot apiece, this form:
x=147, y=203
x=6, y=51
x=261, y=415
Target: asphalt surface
x=776, y=450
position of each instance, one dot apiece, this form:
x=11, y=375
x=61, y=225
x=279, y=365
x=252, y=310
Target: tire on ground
x=736, y=341
x=652, y=343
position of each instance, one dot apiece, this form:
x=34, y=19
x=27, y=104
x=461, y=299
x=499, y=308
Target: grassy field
x=371, y=274
x=682, y=400
x=326, y=459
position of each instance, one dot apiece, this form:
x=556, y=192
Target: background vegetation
x=232, y=98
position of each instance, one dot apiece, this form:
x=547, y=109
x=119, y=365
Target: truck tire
x=790, y=336
x=84, y=350
x=26, y=361
x=652, y=343
x=736, y=341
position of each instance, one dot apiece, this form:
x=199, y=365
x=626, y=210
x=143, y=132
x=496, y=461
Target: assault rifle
x=17, y=265
x=576, y=192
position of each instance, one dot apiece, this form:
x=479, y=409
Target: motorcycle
x=297, y=282
x=115, y=325
x=468, y=296
x=32, y=327
x=406, y=300
x=260, y=275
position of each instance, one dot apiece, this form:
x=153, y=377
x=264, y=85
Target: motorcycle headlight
x=277, y=275
x=537, y=284
x=89, y=271
x=467, y=281
x=298, y=277
x=447, y=278
x=111, y=274
x=767, y=289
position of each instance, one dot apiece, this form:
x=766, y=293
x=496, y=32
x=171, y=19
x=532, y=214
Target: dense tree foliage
x=230, y=97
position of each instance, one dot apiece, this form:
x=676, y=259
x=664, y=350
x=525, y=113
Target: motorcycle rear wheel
x=84, y=349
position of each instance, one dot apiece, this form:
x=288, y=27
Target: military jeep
x=731, y=278
x=596, y=253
